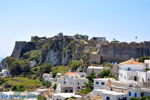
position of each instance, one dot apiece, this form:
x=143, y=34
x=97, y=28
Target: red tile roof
x=71, y=73
x=132, y=61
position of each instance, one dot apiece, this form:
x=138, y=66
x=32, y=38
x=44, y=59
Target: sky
x=119, y=19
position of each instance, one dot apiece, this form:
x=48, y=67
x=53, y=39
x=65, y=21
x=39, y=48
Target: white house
x=102, y=87
x=132, y=71
x=5, y=73
x=147, y=62
x=48, y=77
x=63, y=96
x=138, y=92
x=102, y=83
x=94, y=69
x=111, y=95
x=70, y=82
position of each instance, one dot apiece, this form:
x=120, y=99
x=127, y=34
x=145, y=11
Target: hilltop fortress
x=61, y=50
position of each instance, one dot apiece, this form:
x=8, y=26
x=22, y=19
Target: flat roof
x=67, y=95
x=104, y=79
x=113, y=92
x=93, y=67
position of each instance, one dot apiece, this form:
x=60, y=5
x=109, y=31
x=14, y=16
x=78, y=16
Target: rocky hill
x=61, y=50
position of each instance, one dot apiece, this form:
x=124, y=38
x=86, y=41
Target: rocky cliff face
x=58, y=50
x=21, y=48
x=61, y=50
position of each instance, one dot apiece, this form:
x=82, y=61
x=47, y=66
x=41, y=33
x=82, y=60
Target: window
x=135, y=94
x=129, y=69
x=71, y=90
x=66, y=91
x=129, y=93
x=111, y=89
x=142, y=94
x=107, y=98
x=78, y=83
x=102, y=83
x=97, y=82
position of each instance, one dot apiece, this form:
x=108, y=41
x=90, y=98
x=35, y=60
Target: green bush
x=19, y=88
x=86, y=91
x=46, y=68
x=13, y=88
x=104, y=73
x=141, y=98
x=75, y=65
x=91, y=77
x=141, y=59
x=46, y=83
x=41, y=97
x=60, y=69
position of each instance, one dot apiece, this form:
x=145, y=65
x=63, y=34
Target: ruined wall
x=117, y=52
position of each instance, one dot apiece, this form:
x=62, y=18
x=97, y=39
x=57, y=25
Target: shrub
x=41, y=97
x=13, y=88
x=104, y=73
x=75, y=65
x=86, y=91
x=141, y=98
x=141, y=59
x=19, y=88
x=46, y=83
x=91, y=77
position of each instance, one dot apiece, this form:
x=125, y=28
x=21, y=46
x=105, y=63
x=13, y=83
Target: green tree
x=19, y=67
x=15, y=69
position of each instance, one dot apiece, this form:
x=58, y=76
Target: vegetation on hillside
x=19, y=67
x=37, y=72
x=33, y=55
x=89, y=86
x=21, y=83
x=141, y=98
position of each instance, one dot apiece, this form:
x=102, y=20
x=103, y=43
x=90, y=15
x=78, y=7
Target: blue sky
x=120, y=19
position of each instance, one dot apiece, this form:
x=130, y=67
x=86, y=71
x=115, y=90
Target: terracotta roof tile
x=132, y=61
x=71, y=73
